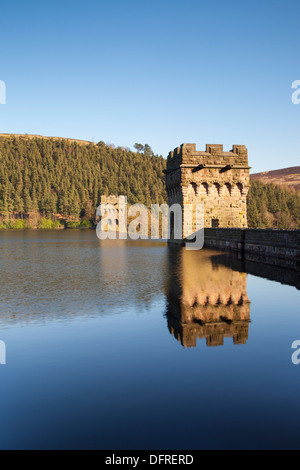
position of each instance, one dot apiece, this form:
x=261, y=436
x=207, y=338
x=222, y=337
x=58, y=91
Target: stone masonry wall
x=219, y=180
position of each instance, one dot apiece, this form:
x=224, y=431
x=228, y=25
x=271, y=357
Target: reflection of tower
x=206, y=300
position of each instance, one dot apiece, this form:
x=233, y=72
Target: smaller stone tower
x=219, y=180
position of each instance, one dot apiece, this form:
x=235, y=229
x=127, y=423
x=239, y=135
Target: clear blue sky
x=160, y=72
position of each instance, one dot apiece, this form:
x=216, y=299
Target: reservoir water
x=134, y=345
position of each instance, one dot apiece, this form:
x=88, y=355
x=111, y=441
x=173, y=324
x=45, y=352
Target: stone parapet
x=258, y=244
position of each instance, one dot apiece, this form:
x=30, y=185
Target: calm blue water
x=130, y=345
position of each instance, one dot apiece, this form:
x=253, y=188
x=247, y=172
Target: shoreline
x=27, y=229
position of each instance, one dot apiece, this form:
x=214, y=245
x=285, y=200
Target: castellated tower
x=219, y=180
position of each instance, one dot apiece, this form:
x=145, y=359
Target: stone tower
x=219, y=180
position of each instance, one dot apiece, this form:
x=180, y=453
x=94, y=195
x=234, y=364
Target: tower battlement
x=214, y=154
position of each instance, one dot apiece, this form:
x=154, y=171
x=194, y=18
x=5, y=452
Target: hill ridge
x=289, y=177
x=37, y=136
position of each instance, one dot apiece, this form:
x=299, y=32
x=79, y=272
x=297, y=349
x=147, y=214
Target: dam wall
x=278, y=247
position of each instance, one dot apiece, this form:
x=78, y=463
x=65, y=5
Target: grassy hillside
x=35, y=136
x=289, y=177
